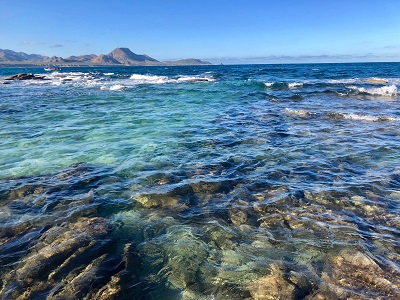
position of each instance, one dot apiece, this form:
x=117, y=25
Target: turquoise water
x=221, y=180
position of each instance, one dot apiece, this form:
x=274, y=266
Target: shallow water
x=211, y=182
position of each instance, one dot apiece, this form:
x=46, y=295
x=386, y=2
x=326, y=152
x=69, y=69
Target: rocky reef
x=25, y=76
x=183, y=236
x=52, y=245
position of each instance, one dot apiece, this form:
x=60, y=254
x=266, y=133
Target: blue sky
x=252, y=31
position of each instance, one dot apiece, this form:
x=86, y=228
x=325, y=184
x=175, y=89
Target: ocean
x=201, y=182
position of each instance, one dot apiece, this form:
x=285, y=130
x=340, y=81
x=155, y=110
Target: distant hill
x=189, y=61
x=119, y=56
x=127, y=57
x=81, y=58
x=9, y=55
x=104, y=59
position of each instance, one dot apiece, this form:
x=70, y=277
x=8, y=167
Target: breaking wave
x=387, y=90
x=283, y=85
x=138, y=78
x=153, y=79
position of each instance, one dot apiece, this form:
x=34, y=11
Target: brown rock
x=274, y=286
x=60, y=254
x=353, y=273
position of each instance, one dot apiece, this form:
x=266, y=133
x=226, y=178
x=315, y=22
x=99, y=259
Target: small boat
x=52, y=68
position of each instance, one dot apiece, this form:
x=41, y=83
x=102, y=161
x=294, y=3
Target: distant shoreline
x=166, y=64
x=118, y=57
x=30, y=65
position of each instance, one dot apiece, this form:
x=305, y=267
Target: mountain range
x=119, y=56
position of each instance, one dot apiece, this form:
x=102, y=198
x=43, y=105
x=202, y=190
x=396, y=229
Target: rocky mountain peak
x=127, y=57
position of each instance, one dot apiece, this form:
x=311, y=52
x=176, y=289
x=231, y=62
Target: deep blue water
x=221, y=180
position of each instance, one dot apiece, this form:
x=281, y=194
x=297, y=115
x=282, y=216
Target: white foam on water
x=341, y=81
x=368, y=118
x=294, y=84
x=290, y=85
x=117, y=87
x=368, y=80
x=76, y=78
x=91, y=80
x=138, y=78
x=154, y=79
x=387, y=90
x=195, y=79
x=362, y=117
x=348, y=116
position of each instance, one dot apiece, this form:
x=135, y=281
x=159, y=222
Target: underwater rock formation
x=352, y=272
x=51, y=246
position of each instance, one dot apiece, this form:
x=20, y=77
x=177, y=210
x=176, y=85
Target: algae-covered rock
x=165, y=197
x=185, y=254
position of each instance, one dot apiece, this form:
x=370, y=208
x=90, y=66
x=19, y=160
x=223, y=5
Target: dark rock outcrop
x=24, y=76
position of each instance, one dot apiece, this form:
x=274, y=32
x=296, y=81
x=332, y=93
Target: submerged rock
x=121, y=284
x=183, y=255
x=67, y=260
x=352, y=273
x=165, y=197
x=274, y=286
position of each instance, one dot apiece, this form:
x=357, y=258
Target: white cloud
x=33, y=43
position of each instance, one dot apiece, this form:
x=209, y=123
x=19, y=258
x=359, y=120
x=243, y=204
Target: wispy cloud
x=304, y=58
x=391, y=47
x=32, y=43
x=57, y=46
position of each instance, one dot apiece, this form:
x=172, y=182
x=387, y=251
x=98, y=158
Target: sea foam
x=154, y=79
x=387, y=90
x=117, y=87
x=294, y=84
x=138, y=78
x=301, y=113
